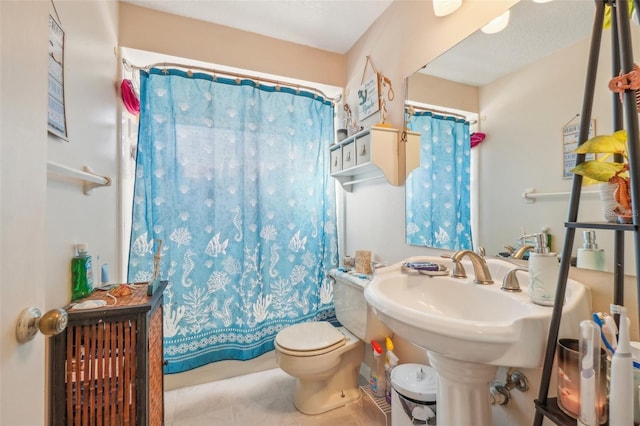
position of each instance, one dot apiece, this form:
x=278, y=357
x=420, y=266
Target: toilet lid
x=310, y=336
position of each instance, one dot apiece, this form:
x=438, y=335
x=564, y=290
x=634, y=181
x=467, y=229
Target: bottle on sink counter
x=590, y=256
x=543, y=272
x=81, y=273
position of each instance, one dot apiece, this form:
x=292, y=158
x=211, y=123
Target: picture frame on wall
x=369, y=97
x=57, y=121
x=570, y=134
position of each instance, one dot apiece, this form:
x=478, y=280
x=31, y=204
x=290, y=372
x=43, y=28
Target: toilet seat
x=309, y=339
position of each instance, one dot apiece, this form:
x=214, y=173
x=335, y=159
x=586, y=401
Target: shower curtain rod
x=437, y=111
x=232, y=74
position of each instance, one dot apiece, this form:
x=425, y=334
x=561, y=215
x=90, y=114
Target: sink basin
x=471, y=322
x=470, y=329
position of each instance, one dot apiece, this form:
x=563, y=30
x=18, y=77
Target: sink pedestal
x=469, y=330
x=463, y=391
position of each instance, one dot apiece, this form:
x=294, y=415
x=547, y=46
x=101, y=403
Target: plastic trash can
x=413, y=395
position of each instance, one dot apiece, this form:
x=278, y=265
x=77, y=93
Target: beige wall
x=145, y=29
x=431, y=90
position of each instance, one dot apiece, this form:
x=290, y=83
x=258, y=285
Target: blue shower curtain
x=438, y=207
x=232, y=177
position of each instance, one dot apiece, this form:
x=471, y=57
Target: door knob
x=31, y=320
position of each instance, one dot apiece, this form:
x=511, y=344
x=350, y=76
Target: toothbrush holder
x=569, y=380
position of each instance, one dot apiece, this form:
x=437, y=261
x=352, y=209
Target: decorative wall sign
x=369, y=97
x=57, y=122
x=570, y=133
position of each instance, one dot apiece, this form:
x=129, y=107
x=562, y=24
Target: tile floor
x=264, y=398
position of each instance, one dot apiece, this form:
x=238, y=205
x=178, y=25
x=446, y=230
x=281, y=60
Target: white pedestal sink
x=469, y=330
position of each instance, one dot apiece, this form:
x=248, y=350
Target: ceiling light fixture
x=541, y=1
x=445, y=7
x=497, y=24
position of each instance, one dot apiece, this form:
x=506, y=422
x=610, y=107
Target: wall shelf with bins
x=371, y=154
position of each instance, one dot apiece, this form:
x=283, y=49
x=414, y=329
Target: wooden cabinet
x=106, y=367
x=373, y=153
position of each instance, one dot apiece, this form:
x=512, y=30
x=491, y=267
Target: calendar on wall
x=56, y=122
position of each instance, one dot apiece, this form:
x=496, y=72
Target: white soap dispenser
x=543, y=272
x=590, y=256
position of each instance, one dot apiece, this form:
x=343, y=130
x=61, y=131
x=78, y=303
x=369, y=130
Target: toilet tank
x=352, y=309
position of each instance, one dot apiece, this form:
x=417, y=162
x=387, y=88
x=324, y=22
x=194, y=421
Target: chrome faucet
x=517, y=254
x=510, y=281
x=480, y=268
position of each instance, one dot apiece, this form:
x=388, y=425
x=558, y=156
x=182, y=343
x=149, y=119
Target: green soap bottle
x=81, y=273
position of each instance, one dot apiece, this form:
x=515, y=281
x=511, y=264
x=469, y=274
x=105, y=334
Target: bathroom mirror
x=525, y=85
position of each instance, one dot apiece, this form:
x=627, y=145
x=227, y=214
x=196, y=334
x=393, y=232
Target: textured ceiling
x=535, y=30
x=333, y=25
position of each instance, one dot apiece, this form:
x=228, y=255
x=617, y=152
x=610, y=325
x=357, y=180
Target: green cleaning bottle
x=81, y=273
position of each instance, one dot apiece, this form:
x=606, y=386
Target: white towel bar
x=89, y=178
x=530, y=195
x=353, y=182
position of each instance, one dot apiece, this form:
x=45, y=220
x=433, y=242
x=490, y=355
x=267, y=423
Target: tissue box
x=363, y=261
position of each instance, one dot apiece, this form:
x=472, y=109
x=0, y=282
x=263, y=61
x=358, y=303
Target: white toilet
x=326, y=359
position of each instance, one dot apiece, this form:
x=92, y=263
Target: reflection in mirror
x=438, y=209
x=525, y=85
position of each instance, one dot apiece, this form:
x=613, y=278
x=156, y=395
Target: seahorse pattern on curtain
x=232, y=177
x=438, y=208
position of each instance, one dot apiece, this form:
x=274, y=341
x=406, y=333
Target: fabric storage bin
x=363, y=149
x=348, y=155
x=336, y=159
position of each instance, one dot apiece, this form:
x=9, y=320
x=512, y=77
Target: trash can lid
x=415, y=381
